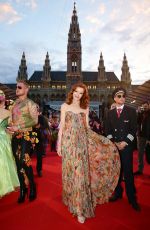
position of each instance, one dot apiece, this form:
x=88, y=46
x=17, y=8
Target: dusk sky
x=108, y=26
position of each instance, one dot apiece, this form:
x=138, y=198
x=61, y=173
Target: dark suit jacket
x=123, y=128
x=148, y=128
x=143, y=123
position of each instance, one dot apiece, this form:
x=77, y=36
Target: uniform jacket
x=123, y=128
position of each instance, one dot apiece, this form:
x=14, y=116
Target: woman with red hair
x=90, y=162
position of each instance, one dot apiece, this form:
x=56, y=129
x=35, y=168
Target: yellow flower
x=27, y=138
x=27, y=133
x=34, y=133
x=36, y=141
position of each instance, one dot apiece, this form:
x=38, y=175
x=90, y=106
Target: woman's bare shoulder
x=64, y=106
x=5, y=113
x=87, y=110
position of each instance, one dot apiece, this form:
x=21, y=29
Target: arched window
x=74, y=66
x=74, y=63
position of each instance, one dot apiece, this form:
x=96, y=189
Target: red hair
x=84, y=101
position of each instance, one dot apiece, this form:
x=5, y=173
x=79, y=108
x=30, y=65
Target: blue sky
x=108, y=26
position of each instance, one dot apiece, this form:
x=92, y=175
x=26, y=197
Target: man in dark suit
x=121, y=129
x=143, y=124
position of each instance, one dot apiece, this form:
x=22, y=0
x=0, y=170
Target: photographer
x=143, y=123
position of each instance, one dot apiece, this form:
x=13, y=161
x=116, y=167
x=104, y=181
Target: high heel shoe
x=81, y=219
x=32, y=194
x=23, y=194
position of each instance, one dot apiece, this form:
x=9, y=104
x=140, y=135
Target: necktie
x=119, y=112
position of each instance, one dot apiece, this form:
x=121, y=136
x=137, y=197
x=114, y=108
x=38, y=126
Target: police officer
x=121, y=128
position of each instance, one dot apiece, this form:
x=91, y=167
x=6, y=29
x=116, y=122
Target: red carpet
x=48, y=212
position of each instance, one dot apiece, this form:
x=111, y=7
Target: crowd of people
x=96, y=156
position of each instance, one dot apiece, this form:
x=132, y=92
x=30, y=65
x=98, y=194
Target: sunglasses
x=18, y=87
x=119, y=96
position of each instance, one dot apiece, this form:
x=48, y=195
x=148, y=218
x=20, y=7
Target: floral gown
x=90, y=166
x=8, y=174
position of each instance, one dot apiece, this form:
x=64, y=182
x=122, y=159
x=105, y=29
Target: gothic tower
x=22, y=72
x=125, y=76
x=74, y=52
x=46, y=78
x=101, y=70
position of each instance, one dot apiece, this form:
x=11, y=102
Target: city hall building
x=50, y=87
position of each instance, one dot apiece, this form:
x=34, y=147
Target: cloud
x=29, y=3
x=124, y=28
x=10, y=66
x=58, y=66
x=93, y=20
x=92, y=1
x=132, y=26
x=114, y=14
x=94, y=23
x=32, y=4
x=91, y=67
x=8, y=69
x=143, y=39
x=141, y=7
x=35, y=54
x=8, y=14
x=101, y=9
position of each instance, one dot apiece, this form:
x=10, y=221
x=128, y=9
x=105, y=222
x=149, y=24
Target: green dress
x=8, y=174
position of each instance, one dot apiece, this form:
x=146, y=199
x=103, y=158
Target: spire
x=101, y=69
x=125, y=76
x=74, y=11
x=74, y=31
x=22, y=72
x=46, y=78
x=101, y=61
x=74, y=51
x=23, y=55
x=125, y=57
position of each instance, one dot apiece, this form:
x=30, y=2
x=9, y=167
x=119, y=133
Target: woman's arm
x=10, y=118
x=62, y=122
x=87, y=118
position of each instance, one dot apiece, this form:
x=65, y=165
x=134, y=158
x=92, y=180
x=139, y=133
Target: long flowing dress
x=90, y=166
x=8, y=174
